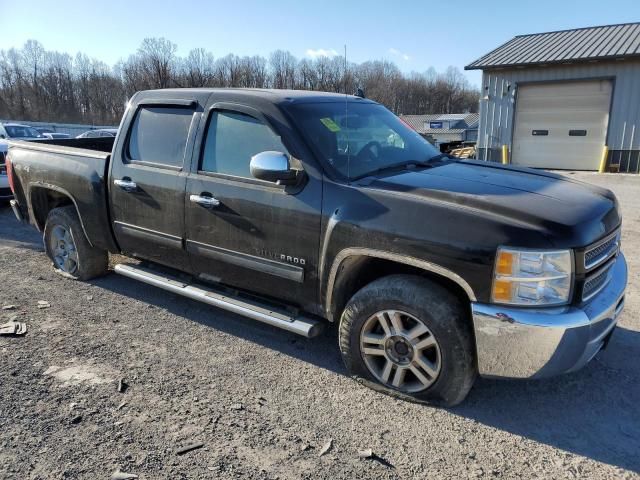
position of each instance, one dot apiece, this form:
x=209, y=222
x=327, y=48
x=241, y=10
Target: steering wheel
x=368, y=148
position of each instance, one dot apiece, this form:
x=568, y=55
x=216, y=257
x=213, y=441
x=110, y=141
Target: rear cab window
x=159, y=135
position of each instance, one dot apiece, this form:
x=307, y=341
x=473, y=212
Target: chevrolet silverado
x=302, y=208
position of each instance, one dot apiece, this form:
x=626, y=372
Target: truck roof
x=269, y=94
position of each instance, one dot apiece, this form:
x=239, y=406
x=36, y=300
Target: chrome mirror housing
x=273, y=167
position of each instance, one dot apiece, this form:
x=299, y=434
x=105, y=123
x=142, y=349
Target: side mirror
x=273, y=167
x=2, y=136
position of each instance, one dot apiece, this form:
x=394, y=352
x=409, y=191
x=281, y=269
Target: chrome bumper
x=524, y=343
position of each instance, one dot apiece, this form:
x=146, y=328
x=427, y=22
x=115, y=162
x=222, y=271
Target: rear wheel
x=68, y=248
x=409, y=337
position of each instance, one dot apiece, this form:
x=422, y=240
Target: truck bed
x=102, y=144
x=73, y=169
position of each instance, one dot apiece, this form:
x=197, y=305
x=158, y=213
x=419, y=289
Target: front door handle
x=206, y=202
x=126, y=184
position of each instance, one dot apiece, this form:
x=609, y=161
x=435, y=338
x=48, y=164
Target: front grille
x=596, y=282
x=601, y=251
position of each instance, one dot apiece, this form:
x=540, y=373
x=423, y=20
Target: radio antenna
x=346, y=115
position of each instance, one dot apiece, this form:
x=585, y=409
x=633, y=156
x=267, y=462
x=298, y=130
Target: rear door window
x=159, y=135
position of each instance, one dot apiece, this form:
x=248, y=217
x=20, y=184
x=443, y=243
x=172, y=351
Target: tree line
x=41, y=85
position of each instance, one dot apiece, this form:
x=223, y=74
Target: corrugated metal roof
x=578, y=45
x=453, y=116
x=443, y=131
x=472, y=120
x=418, y=121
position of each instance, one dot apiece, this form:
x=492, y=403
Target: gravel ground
x=264, y=403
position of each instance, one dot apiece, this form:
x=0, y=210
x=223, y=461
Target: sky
x=415, y=34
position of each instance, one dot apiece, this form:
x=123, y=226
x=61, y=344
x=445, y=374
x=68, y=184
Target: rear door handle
x=126, y=184
x=206, y=202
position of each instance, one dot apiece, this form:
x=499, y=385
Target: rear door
x=256, y=235
x=148, y=179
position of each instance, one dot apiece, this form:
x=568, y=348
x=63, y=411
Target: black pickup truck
x=298, y=208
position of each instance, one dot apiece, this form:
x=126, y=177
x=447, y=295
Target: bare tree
x=283, y=69
x=198, y=68
x=36, y=84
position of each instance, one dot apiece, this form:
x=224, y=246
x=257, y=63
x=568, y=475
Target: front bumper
x=516, y=342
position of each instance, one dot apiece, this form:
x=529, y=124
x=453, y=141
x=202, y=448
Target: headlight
x=532, y=277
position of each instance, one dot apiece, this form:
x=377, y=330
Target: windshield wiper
x=396, y=167
x=441, y=156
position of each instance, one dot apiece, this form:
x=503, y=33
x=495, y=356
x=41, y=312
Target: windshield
x=360, y=139
x=22, y=131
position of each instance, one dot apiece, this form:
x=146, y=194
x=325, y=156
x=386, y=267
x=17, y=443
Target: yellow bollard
x=603, y=162
x=505, y=155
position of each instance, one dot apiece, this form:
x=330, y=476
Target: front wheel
x=409, y=337
x=68, y=248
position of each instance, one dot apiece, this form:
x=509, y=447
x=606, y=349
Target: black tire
x=90, y=262
x=439, y=310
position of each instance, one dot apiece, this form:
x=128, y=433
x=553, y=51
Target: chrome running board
x=306, y=327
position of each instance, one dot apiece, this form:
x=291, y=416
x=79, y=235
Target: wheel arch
x=353, y=268
x=43, y=198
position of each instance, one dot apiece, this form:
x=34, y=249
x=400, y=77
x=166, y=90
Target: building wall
x=471, y=135
x=446, y=137
x=623, y=136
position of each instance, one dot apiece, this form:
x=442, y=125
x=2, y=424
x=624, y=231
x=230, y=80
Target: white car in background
x=16, y=131
x=12, y=131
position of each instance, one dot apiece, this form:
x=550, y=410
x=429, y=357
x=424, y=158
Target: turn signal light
x=502, y=291
x=504, y=263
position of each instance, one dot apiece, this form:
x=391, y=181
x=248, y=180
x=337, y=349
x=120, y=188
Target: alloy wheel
x=400, y=351
x=63, y=249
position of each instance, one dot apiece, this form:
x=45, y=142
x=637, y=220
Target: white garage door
x=561, y=125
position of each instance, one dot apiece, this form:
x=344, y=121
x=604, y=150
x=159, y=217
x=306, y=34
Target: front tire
x=409, y=337
x=68, y=248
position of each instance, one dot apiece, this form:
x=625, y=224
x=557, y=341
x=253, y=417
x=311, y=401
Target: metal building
x=563, y=100
x=445, y=129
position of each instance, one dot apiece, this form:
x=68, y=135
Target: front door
x=148, y=181
x=249, y=233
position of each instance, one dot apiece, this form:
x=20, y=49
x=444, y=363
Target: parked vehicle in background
x=44, y=130
x=56, y=135
x=12, y=131
x=16, y=131
x=5, y=190
x=100, y=132
x=296, y=207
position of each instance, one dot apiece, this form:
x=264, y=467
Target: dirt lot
x=264, y=402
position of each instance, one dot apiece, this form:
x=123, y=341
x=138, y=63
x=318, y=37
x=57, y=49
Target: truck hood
x=568, y=212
